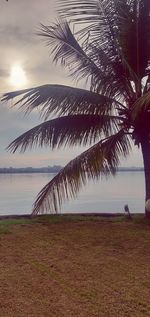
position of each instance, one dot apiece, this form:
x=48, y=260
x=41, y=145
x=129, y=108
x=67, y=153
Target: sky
x=19, y=45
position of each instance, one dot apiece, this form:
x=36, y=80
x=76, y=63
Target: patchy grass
x=64, y=266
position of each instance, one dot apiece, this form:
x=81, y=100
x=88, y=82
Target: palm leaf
x=133, y=21
x=66, y=49
x=69, y=130
x=144, y=36
x=146, y=84
x=101, y=33
x=142, y=104
x=62, y=100
x=122, y=30
x=80, y=58
x=101, y=159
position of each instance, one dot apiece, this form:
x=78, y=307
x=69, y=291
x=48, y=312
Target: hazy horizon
x=56, y=165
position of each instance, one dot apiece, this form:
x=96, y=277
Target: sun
x=18, y=76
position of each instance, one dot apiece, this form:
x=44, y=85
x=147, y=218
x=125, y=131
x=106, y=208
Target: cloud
x=19, y=21
x=4, y=72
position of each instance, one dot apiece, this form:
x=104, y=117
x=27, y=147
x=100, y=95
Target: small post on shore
x=127, y=212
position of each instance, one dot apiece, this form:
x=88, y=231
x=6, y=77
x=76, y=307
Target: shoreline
x=30, y=216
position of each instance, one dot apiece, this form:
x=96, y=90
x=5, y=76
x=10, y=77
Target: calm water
x=18, y=191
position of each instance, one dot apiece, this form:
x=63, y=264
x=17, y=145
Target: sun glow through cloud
x=18, y=76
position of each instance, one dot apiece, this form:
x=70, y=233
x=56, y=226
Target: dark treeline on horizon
x=48, y=169
x=54, y=169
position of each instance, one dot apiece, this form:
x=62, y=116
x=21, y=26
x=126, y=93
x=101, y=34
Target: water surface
x=18, y=191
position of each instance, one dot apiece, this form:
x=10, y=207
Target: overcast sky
x=19, y=21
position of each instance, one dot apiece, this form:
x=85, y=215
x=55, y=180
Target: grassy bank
x=63, y=266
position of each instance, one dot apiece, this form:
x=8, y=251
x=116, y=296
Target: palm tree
x=107, y=44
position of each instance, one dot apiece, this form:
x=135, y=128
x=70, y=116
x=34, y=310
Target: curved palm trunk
x=145, y=145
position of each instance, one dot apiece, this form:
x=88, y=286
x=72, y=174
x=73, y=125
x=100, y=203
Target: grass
x=64, y=266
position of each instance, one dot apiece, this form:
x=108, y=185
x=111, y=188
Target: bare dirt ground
x=86, y=268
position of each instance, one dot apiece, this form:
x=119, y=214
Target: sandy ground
x=89, y=268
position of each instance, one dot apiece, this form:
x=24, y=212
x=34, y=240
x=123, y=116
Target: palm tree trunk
x=145, y=145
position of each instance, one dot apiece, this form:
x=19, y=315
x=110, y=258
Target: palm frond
x=133, y=20
x=116, y=82
x=146, y=84
x=102, y=32
x=69, y=130
x=141, y=105
x=122, y=30
x=66, y=49
x=80, y=59
x=84, y=12
x=61, y=100
x=144, y=36
x=101, y=159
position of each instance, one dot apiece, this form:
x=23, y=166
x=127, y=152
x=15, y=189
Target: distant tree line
x=48, y=169
x=54, y=169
